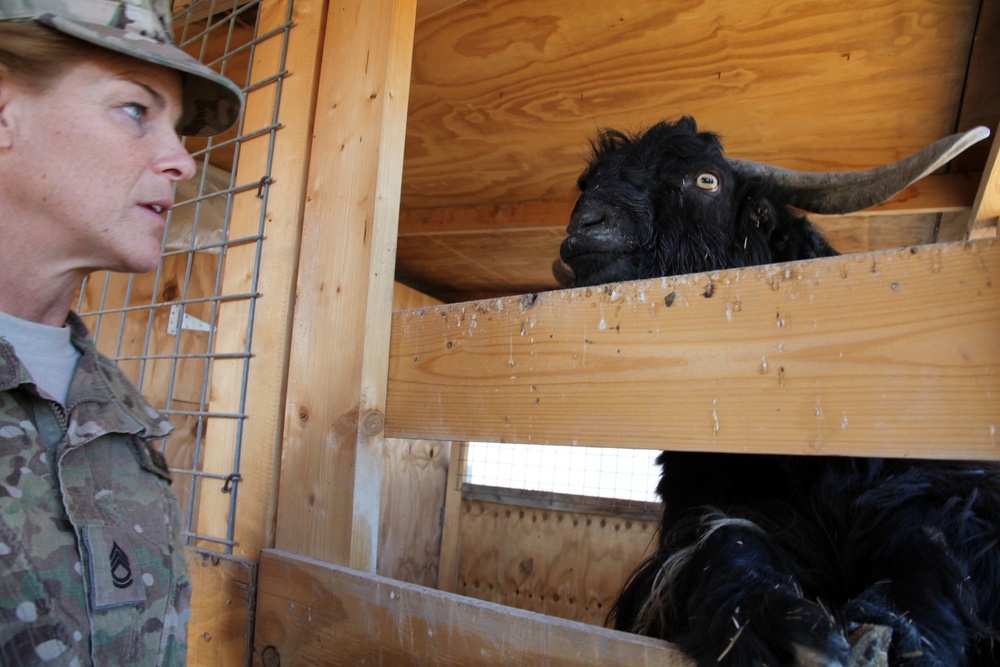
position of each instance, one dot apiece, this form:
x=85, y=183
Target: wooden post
x=450, y=556
x=222, y=617
x=986, y=209
x=257, y=492
x=328, y=503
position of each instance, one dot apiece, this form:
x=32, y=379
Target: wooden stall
x=405, y=171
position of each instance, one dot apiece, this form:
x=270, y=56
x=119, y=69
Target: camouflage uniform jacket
x=92, y=567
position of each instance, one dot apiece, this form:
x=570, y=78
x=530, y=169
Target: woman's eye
x=707, y=182
x=136, y=111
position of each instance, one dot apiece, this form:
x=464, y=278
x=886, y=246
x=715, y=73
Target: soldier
x=93, y=94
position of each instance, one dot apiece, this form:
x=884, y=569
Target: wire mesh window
x=162, y=327
x=605, y=477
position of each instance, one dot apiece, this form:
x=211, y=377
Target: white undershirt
x=45, y=351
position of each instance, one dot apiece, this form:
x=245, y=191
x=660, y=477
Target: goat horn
x=849, y=191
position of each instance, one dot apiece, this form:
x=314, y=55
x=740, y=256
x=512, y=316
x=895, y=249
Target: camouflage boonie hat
x=141, y=29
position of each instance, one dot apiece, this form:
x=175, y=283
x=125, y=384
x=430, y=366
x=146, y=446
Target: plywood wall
x=557, y=562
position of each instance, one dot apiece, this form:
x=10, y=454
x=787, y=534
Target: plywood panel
x=414, y=476
x=506, y=95
x=892, y=353
x=560, y=563
x=312, y=613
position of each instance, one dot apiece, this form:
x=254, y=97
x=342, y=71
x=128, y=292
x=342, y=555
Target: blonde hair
x=36, y=56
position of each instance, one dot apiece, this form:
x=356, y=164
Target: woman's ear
x=6, y=114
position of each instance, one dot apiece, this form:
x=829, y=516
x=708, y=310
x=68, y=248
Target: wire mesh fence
x=162, y=327
x=605, y=478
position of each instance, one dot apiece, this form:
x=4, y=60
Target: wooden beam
x=450, y=554
x=332, y=458
x=414, y=479
x=890, y=353
x=256, y=493
x=986, y=209
x=312, y=613
x=941, y=193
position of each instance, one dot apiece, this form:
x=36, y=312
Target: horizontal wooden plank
x=313, y=613
x=892, y=353
x=935, y=194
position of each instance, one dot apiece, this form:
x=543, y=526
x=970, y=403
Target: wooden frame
x=920, y=372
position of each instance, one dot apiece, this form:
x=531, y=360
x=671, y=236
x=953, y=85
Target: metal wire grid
x=593, y=477
x=130, y=305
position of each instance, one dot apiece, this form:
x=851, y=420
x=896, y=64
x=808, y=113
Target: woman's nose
x=176, y=163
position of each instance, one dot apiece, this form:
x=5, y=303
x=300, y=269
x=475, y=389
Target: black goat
x=785, y=560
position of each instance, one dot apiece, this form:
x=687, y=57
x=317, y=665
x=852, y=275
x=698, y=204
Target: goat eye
x=707, y=182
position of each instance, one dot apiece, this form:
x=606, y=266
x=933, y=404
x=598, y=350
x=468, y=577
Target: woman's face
x=91, y=163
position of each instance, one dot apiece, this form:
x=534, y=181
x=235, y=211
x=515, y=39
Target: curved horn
x=849, y=191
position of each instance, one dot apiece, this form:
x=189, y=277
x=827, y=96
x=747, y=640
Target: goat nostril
x=585, y=219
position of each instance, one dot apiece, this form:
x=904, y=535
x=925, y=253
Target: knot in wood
x=373, y=423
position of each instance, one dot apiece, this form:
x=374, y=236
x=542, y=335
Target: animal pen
x=320, y=405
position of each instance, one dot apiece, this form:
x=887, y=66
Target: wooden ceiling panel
x=479, y=265
x=505, y=95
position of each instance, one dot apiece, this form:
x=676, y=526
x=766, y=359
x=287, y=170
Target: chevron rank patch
x=115, y=578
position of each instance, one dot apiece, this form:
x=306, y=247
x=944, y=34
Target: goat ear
x=849, y=191
x=688, y=124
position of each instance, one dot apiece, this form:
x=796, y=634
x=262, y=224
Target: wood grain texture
x=566, y=564
x=452, y=523
x=981, y=101
x=312, y=613
x=428, y=8
x=221, y=628
x=885, y=353
x=414, y=477
x=986, y=210
x=332, y=449
x=513, y=255
x=505, y=96
x=274, y=278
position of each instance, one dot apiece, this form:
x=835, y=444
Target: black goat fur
x=766, y=559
